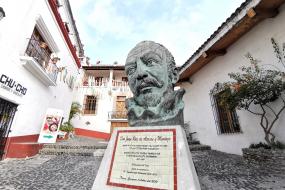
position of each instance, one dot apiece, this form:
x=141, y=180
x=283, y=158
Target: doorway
x=121, y=106
x=7, y=113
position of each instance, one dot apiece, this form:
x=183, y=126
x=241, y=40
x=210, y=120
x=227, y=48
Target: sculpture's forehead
x=145, y=48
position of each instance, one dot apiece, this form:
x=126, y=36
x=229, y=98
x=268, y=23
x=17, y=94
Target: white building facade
x=39, y=65
x=101, y=91
x=249, y=29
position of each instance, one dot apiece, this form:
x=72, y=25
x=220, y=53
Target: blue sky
x=109, y=29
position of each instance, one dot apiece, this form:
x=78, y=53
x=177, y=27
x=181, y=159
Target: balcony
x=117, y=83
x=45, y=76
x=117, y=116
x=39, y=61
x=91, y=81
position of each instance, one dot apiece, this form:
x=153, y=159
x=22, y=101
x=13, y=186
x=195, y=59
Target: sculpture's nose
x=141, y=70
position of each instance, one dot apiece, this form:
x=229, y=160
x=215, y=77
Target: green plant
x=260, y=145
x=278, y=145
x=74, y=111
x=254, y=89
x=66, y=127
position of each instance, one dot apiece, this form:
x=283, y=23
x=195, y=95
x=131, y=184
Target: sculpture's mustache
x=148, y=82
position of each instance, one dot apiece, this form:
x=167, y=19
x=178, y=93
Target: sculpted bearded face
x=151, y=72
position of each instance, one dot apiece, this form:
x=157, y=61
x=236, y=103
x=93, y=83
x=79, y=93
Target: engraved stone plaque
x=147, y=158
x=144, y=159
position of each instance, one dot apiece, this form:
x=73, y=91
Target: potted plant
x=67, y=126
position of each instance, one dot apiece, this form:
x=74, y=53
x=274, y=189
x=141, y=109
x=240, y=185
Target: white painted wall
x=15, y=28
x=198, y=109
x=106, y=101
x=99, y=121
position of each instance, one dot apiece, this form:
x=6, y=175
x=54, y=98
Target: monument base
x=147, y=158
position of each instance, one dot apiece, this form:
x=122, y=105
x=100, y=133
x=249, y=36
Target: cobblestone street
x=221, y=171
x=216, y=171
x=49, y=172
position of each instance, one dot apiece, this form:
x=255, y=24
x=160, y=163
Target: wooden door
x=120, y=103
x=121, y=111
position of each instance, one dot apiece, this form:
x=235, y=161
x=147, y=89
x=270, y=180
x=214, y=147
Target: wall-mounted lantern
x=2, y=13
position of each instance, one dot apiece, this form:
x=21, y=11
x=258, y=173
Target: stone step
x=193, y=142
x=63, y=146
x=199, y=147
x=72, y=152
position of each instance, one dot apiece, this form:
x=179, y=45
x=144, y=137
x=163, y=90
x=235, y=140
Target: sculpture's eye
x=150, y=61
x=131, y=70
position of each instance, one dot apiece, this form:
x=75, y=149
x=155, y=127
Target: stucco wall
x=15, y=29
x=198, y=109
x=106, y=98
x=99, y=121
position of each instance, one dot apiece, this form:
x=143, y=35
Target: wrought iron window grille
x=226, y=120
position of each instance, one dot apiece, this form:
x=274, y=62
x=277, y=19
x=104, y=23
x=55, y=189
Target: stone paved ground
x=49, y=172
x=83, y=141
x=220, y=171
x=216, y=171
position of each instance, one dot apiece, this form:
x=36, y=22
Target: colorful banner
x=50, y=126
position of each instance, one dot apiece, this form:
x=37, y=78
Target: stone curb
x=199, y=147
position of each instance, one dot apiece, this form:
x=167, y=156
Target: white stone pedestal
x=148, y=158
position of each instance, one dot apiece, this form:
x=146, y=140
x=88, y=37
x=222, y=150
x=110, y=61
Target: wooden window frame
x=90, y=105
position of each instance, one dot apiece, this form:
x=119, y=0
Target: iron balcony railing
x=43, y=57
x=117, y=115
x=104, y=82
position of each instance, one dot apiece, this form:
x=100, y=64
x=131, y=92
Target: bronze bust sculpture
x=152, y=74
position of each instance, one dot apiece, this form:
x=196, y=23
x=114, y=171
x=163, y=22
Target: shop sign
x=9, y=84
x=50, y=126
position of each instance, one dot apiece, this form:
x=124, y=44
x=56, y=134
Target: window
x=98, y=81
x=89, y=105
x=39, y=49
x=226, y=120
x=40, y=54
x=125, y=79
x=67, y=27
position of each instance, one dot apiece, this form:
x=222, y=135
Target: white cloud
x=107, y=21
x=112, y=27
